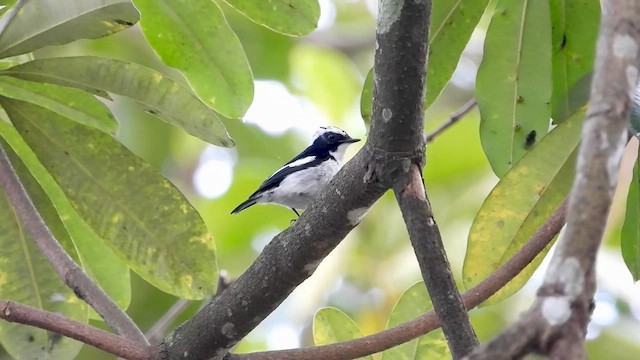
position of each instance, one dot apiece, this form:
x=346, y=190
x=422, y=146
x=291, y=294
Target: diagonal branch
x=436, y=271
x=556, y=323
x=347, y=350
x=125, y=348
x=427, y=322
x=85, y=288
x=394, y=143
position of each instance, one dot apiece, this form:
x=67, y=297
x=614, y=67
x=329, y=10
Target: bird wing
x=292, y=166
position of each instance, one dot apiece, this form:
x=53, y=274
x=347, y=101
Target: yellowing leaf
x=140, y=214
x=521, y=202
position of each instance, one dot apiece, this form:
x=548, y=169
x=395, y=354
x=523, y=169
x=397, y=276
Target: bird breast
x=300, y=188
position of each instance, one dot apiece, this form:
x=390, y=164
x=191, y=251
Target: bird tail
x=247, y=203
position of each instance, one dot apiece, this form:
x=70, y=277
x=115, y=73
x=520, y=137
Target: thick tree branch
x=399, y=98
x=291, y=257
x=347, y=350
x=436, y=271
x=429, y=321
x=125, y=348
x=85, y=288
x=557, y=321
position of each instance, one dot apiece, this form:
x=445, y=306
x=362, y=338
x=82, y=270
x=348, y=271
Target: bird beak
x=350, y=140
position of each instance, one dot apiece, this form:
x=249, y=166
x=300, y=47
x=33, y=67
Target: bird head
x=335, y=140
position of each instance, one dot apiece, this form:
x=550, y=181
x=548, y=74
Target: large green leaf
x=97, y=259
x=366, y=100
x=71, y=103
x=158, y=94
x=38, y=23
x=193, y=36
x=630, y=236
x=331, y=325
x=452, y=23
x=140, y=214
x=290, y=17
x=328, y=78
x=574, y=33
x=28, y=278
x=521, y=202
x=513, y=86
x=414, y=302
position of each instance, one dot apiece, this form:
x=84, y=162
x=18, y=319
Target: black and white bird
x=296, y=184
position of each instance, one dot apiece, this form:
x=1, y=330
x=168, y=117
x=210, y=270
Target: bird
x=296, y=184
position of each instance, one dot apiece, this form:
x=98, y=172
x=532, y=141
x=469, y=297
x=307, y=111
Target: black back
x=321, y=149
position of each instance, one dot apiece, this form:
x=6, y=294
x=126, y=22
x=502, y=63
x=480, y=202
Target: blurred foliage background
x=300, y=84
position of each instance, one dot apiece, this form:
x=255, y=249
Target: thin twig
x=429, y=321
x=158, y=330
x=454, y=118
x=85, y=288
x=125, y=348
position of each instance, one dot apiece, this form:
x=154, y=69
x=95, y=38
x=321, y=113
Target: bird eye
x=332, y=137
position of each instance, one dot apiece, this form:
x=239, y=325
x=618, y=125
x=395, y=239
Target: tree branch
x=558, y=318
x=125, y=348
x=158, y=331
x=85, y=288
x=347, y=350
x=453, y=119
x=429, y=321
x=292, y=256
x=436, y=271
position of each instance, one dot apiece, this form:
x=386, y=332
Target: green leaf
x=97, y=259
x=573, y=33
x=6, y=5
x=158, y=94
x=452, y=23
x=412, y=303
x=193, y=36
x=140, y=214
x=35, y=24
x=630, y=236
x=327, y=77
x=289, y=17
x=513, y=86
x=331, y=325
x=521, y=202
x=27, y=277
x=366, y=100
x=71, y=103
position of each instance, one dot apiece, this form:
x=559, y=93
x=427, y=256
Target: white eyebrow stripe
x=325, y=129
x=304, y=160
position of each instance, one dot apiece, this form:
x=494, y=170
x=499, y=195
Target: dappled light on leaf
x=112, y=189
x=193, y=36
x=156, y=93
